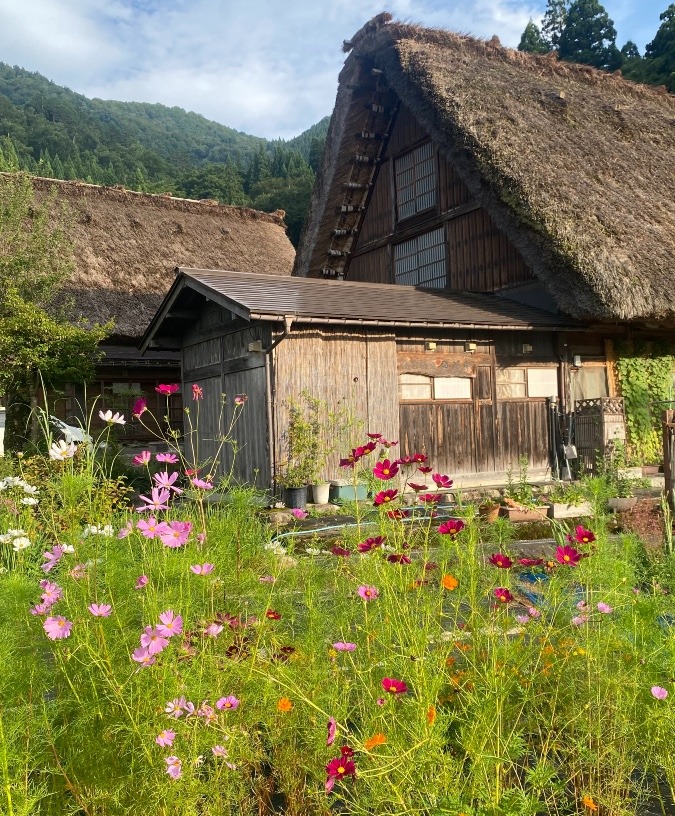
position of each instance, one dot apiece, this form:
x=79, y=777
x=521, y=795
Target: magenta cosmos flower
x=297, y=513
x=384, y=497
x=394, y=686
x=503, y=595
x=368, y=593
x=441, y=480
x=417, y=487
x=385, y=470
x=100, y=610
x=197, y=392
x=142, y=458
x=659, y=692
x=57, y=627
x=500, y=560
x=332, y=729
x=139, y=407
x=170, y=624
x=202, y=569
x=451, y=527
x=399, y=558
x=174, y=767
x=240, y=399
x=371, y=544
x=341, y=646
x=168, y=390
x=230, y=703
x=430, y=498
x=337, y=769
x=341, y=552
x=568, y=555
x=165, y=738
x=141, y=582
x=581, y=536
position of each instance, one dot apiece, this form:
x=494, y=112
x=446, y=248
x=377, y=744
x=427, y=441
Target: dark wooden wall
x=216, y=357
x=479, y=256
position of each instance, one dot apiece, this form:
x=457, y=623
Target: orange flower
x=285, y=705
x=449, y=582
x=376, y=739
x=588, y=802
x=431, y=715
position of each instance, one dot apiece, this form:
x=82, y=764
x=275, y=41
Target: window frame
x=417, y=180
x=434, y=283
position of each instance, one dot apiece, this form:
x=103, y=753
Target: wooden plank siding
x=354, y=371
x=378, y=221
x=372, y=267
x=405, y=133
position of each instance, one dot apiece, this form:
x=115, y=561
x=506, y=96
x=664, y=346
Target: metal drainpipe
x=288, y=322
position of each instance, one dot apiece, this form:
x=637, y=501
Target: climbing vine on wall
x=645, y=372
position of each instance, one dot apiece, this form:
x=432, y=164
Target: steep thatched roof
x=576, y=166
x=128, y=244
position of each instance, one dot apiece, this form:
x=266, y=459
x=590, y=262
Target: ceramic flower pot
x=320, y=493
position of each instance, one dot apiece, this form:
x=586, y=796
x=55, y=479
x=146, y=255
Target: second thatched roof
x=575, y=165
x=127, y=246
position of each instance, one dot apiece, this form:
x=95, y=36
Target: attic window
x=415, y=181
x=421, y=261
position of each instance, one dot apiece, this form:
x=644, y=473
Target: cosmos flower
x=272, y=614
x=202, y=569
x=659, y=692
x=332, y=729
x=394, y=686
x=341, y=552
x=139, y=407
x=385, y=470
x=149, y=527
x=606, y=609
x=60, y=451
x=374, y=741
x=417, y=487
x=567, y=555
x=166, y=458
x=581, y=535
x=368, y=593
x=430, y=498
x=201, y=484
x=176, y=534
x=285, y=705
x=100, y=610
x=167, y=390
x=441, y=480
x=157, y=501
x=500, y=560
x=53, y=557
x=197, y=392
x=341, y=646
x=219, y=751
x=143, y=656
x=126, y=530
x=449, y=582
x=530, y=562
x=503, y=595
x=230, y=703
x=153, y=641
x=579, y=620
x=451, y=527
x=57, y=627
x=338, y=769
x=166, y=480
x=371, y=544
x=240, y=399
x=213, y=629
x=399, y=558
x=170, y=624
x=174, y=767
x=141, y=581
x=384, y=497
x=112, y=419
x=297, y=513
x=165, y=738
x=20, y=543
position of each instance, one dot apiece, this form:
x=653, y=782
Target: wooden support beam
x=166, y=343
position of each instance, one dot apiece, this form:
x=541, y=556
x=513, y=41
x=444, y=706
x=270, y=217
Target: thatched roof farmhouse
x=575, y=166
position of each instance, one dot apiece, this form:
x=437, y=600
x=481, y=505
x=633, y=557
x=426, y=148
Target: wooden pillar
x=669, y=455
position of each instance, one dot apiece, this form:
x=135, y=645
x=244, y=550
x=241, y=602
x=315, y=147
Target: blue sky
x=262, y=66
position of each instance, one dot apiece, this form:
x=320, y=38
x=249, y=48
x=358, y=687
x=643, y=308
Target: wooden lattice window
x=520, y=383
x=415, y=181
x=421, y=261
x=416, y=387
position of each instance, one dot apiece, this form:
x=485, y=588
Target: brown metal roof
x=269, y=297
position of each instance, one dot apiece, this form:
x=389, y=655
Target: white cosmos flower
x=60, y=451
x=16, y=533
x=28, y=488
x=21, y=543
x=30, y=501
x=112, y=419
x=67, y=548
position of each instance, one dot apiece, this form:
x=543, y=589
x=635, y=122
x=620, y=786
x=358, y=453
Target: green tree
x=630, y=51
x=532, y=41
x=589, y=36
x=290, y=194
x=660, y=52
x=553, y=22
x=316, y=149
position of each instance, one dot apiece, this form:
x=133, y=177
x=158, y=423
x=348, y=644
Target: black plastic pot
x=295, y=497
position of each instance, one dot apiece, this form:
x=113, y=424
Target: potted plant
x=568, y=501
x=624, y=498
x=519, y=502
x=297, y=470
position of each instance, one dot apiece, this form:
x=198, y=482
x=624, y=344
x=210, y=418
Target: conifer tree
x=532, y=41
x=553, y=22
x=660, y=52
x=630, y=51
x=589, y=36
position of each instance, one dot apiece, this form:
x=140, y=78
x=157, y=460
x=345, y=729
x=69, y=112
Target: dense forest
x=52, y=131
x=581, y=31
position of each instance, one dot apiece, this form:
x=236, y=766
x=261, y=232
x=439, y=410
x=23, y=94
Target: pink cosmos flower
x=451, y=527
x=368, y=593
x=567, y=555
x=503, y=595
x=57, y=627
x=533, y=612
x=298, y=513
x=50, y=593
x=341, y=646
x=606, y=609
x=177, y=533
x=148, y=527
x=201, y=484
x=53, y=557
x=143, y=656
x=165, y=738
x=167, y=458
x=166, y=480
x=219, y=751
x=385, y=470
x=153, y=641
x=142, y=458
x=207, y=713
x=441, y=480
x=40, y=609
x=240, y=399
x=213, y=629
x=100, y=610
x=197, y=392
x=174, y=708
x=174, y=767
x=170, y=624
x=384, y=497
x=157, y=501
x=659, y=692
x=394, y=686
x=230, y=703
x=141, y=582
x=167, y=390
x=579, y=620
x=523, y=619
x=332, y=730
x=126, y=530
x=380, y=701
x=139, y=407
x=202, y=569
x=78, y=571
x=581, y=605
x=201, y=538
x=500, y=560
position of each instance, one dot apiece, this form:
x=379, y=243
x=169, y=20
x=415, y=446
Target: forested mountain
x=52, y=131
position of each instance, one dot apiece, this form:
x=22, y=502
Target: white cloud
x=257, y=66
